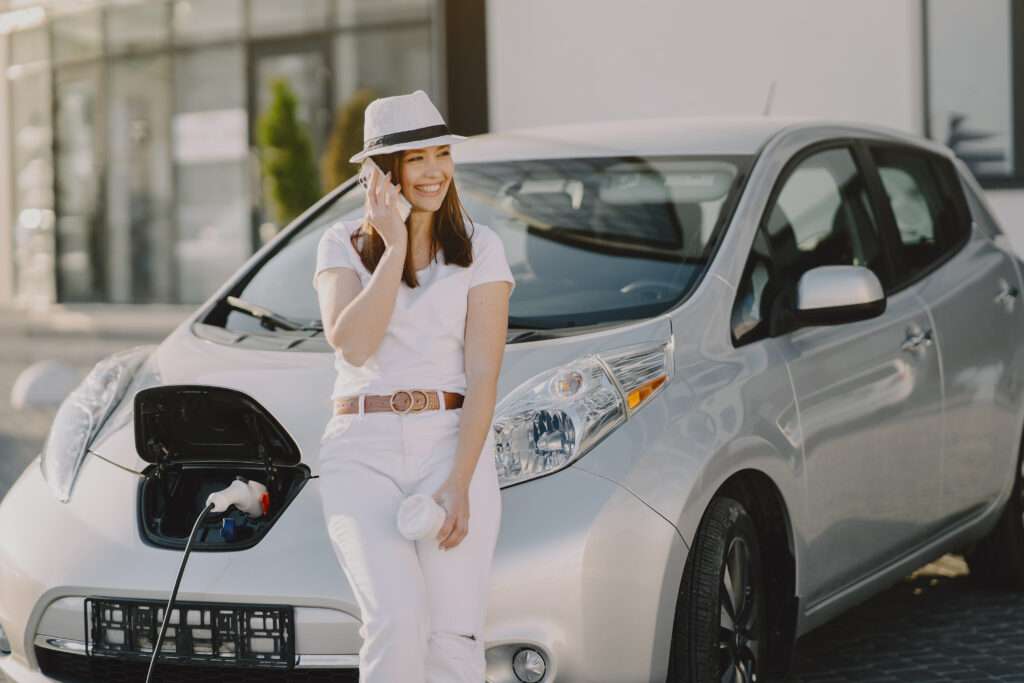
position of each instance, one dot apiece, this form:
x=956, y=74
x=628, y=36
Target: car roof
x=684, y=135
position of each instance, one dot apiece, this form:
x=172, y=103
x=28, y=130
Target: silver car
x=757, y=370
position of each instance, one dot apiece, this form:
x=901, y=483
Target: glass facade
x=969, y=83
x=32, y=185
x=137, y=170
x=77, y=161
x=210, y=169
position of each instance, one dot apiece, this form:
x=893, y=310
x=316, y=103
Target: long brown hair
x=448, y=231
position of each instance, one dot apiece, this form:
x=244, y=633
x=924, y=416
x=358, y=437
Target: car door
x=971, y=289
x=867, y=392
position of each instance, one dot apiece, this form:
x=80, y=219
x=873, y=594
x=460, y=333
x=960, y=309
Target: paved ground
x=934, y=626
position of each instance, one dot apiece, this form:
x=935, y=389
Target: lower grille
x=70, y=668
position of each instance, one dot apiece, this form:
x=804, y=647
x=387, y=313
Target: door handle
x=1006, y=296
x=916, y=340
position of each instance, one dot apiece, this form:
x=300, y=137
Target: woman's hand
x=454, y=496
x=382, y=209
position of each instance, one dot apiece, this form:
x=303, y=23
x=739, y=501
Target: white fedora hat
x=403, y=122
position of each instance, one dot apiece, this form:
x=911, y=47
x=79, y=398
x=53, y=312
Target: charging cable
x=250, y=497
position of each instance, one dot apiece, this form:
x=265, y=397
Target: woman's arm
x=484, y=348
x=356, y=318
x=486, y=331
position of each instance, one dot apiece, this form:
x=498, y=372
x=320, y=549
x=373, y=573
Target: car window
x=923, y=196
x=821, y=215
x=590, y=241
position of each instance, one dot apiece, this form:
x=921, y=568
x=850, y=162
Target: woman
x=418, y=348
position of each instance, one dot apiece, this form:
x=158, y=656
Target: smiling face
x=426, y=176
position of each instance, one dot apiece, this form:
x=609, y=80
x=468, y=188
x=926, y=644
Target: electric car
x=757, y=371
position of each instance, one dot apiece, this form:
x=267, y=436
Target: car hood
x=295, y=387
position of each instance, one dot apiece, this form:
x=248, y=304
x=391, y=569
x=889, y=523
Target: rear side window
x=928, y=206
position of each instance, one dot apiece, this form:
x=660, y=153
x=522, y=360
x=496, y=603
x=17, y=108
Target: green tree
x=286, y=156
x=346, y=139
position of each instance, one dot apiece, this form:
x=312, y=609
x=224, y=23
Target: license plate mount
x=202, y=633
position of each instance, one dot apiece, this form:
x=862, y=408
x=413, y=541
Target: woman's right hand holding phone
x=382, y=209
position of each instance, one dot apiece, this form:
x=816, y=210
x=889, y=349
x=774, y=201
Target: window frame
x=887, y=219
x=851, y=144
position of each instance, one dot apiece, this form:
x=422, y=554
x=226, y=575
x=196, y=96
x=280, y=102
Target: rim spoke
x=726, y=600
x=726, y=621
x=745, y=619
x=739, y=570
x=726, y=638
x=726, y=663
x=739, y=614
x=742, y=564
x=741, y=671
x=748, y=657
x=746, y=616
x=728, y=589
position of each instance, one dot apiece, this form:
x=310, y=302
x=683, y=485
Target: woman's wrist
x=460, y=480
x=397, y=249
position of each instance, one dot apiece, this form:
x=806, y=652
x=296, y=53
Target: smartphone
x=404, y=207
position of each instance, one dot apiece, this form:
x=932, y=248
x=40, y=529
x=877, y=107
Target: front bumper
x=584, y=572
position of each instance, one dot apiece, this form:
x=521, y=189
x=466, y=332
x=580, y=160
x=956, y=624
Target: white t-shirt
x=423, y=345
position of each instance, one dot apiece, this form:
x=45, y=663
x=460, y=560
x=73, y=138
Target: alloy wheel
x=737, y=642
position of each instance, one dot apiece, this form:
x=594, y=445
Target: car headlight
x=81, y=415
x=556, y=417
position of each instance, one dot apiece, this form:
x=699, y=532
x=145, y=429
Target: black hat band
x=406, y=136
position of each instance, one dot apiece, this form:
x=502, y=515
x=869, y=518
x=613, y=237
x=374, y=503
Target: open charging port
x=198, y=440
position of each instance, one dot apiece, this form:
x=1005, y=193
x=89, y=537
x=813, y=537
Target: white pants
x=423, y=608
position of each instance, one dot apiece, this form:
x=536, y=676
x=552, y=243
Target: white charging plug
x=250, y=497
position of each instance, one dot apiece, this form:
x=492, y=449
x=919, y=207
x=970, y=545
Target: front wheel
x=720, y=619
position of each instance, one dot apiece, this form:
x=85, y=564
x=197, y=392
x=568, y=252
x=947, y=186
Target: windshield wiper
x=519, y=322
x=524, y=334
x=271, y=320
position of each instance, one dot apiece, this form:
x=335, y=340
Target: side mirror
x=829, y=295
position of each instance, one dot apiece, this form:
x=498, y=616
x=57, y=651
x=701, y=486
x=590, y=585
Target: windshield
x=590, y=241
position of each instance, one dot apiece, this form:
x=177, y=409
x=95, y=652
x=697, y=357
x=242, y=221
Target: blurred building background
x=129, y=129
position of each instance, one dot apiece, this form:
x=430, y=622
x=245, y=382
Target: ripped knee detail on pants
x=467, y=636
x=456, y=656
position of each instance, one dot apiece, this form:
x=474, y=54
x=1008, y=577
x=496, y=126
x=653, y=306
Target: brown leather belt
x=402, y=401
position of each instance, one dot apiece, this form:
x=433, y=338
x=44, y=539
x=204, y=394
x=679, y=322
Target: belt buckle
x=412, y=401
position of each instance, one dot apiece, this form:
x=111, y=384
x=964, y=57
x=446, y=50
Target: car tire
x=997, y=560
x=720, y=622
